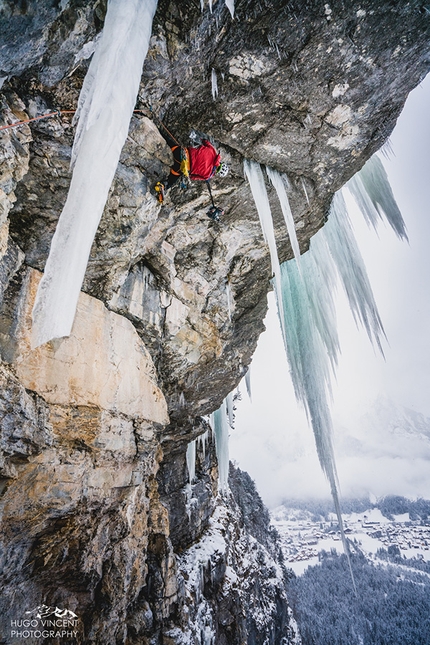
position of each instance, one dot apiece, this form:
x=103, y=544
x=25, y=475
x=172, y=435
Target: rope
x=60, y=112
x=210, y=192
x=37, y=118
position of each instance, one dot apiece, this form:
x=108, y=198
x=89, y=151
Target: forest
x=392, y=605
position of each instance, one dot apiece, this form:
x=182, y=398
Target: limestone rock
x=103, y=363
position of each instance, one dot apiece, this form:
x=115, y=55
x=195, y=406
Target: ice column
x=191, y=461
x=220, y=427
x=105, y=107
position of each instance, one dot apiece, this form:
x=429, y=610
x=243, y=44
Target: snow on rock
x=105, y=107
x=223, y=598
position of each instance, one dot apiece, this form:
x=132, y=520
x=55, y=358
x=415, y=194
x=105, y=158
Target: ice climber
x=199, y=163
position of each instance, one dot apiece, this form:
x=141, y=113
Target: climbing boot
x=159, y=190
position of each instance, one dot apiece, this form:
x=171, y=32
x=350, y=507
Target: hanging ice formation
x=202, y=442
x=230, y=409
x=220, y=428
x=105, y=108
x=373, y=194
x=308, y=308
x=191, y=461
x=214, y=84
x=229, y=299
x=255, y=177
x=248, y=382
x=230, y=6
x=279, y=182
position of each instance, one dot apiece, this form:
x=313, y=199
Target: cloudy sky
x=380, y=448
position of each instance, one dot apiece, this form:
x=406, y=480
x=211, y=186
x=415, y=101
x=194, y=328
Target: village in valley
x=304, y=535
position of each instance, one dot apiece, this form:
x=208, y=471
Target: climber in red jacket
x=200, y=163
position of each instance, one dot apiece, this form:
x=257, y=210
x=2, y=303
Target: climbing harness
x=215, y=212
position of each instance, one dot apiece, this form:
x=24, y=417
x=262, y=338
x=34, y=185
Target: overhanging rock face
x=96, y=502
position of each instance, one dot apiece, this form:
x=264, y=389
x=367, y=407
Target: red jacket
x=203, y=161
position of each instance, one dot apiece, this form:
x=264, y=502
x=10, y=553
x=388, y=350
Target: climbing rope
x=60, y=112
x=37, y=118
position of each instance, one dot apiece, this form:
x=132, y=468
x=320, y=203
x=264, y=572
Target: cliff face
x=97, y=514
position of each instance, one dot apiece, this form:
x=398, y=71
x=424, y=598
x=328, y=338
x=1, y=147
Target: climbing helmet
x=222, y=169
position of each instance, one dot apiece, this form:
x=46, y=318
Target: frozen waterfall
x=105, y=108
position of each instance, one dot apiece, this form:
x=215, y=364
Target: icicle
x=202, y=5
x=210, y=6
x=346, y=255
x=256, y=180
x=248, y=382
x=305, y=190
x=191, y=461
x=220, y=428
x=320, y=278
x=229, y=299
x=230, y=411
x=387, y=149
x=308, y=362
x=105, y=107
x=230, y=6
x=278, y=182
x=214, y=84
x=373, y=194
x=202, y=441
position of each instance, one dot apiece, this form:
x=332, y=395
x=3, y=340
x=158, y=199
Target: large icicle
x=347, y=257
x=191, y=461
x=230, y=6
x=220, y=427
x=255, y=177
x=278, y=182
x=308, y=360
x=373, y=194
x=230, y=409
x=248, y=382
x=105, y=107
